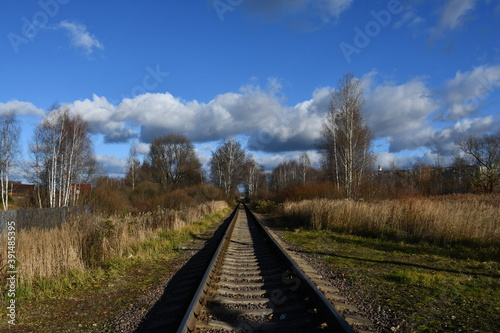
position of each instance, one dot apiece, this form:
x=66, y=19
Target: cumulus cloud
x=271, y=161
x=389, y=161
x=465, y=93
x=403, y=115
x=293, y=128
x=253, y=112
x=400, y=113
x=112, y=165
x=444, y=140
x=102, y=118
x=80, y=37
x=20, y=108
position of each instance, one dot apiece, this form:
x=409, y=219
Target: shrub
x=204, y=192
x=110, y=200
x=266, y=206
x=177, y=200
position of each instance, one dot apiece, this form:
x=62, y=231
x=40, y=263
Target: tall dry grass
x=445, y=220
x=87, y=241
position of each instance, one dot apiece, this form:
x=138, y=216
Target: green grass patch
x=435, y=288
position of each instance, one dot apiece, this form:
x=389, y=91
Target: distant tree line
x=172, y=176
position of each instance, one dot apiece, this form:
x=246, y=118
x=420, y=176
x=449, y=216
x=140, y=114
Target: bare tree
x=305, y=166
x=286, y=174
x=254, y=176
x=485, y=153
x=174, y=162
x=227, y=166
x=62, y=157
x=346, y=138
x=134, y=166
x=9, y=148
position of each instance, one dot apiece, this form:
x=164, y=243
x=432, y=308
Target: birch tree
x=346, y=138
x=305, y=166
x=285, y=175
x=62, y=157
x=254, y=176
x=227, y=166
x=134, y=166
x=9, y=148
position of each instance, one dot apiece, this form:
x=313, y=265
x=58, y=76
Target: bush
x=266, y=206
x=205, y=192
x=177, y=200
x=109, y=197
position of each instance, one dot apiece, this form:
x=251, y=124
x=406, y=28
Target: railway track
x=252, y=284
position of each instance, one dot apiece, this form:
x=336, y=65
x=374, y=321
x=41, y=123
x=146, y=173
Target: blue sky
x=259, y=70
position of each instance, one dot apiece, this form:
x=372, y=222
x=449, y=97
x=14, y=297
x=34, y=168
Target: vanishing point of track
x=252, y=284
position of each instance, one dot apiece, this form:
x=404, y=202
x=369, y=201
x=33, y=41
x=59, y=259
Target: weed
x=50, y=259
x=466, y=220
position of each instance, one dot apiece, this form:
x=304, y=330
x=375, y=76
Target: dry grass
x=88, y=241
x=468, y=219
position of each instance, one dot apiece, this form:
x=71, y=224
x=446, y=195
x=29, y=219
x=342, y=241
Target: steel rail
x=330, y=315
x=325, y=309
x=189, y=320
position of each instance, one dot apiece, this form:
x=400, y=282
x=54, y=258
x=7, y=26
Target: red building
x=80, y=189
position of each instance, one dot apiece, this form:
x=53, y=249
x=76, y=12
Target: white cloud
x=400, y=113
x=101, y=116
x=389, y=161
x=454, y=13
x=143, y=148
x=256, y=113
x=465, y=93
x=80, y=37
x=20, y=108
x=404, y=114
x=112, y=165
x=445, y=139
x=326, y=10
x=336, y=7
